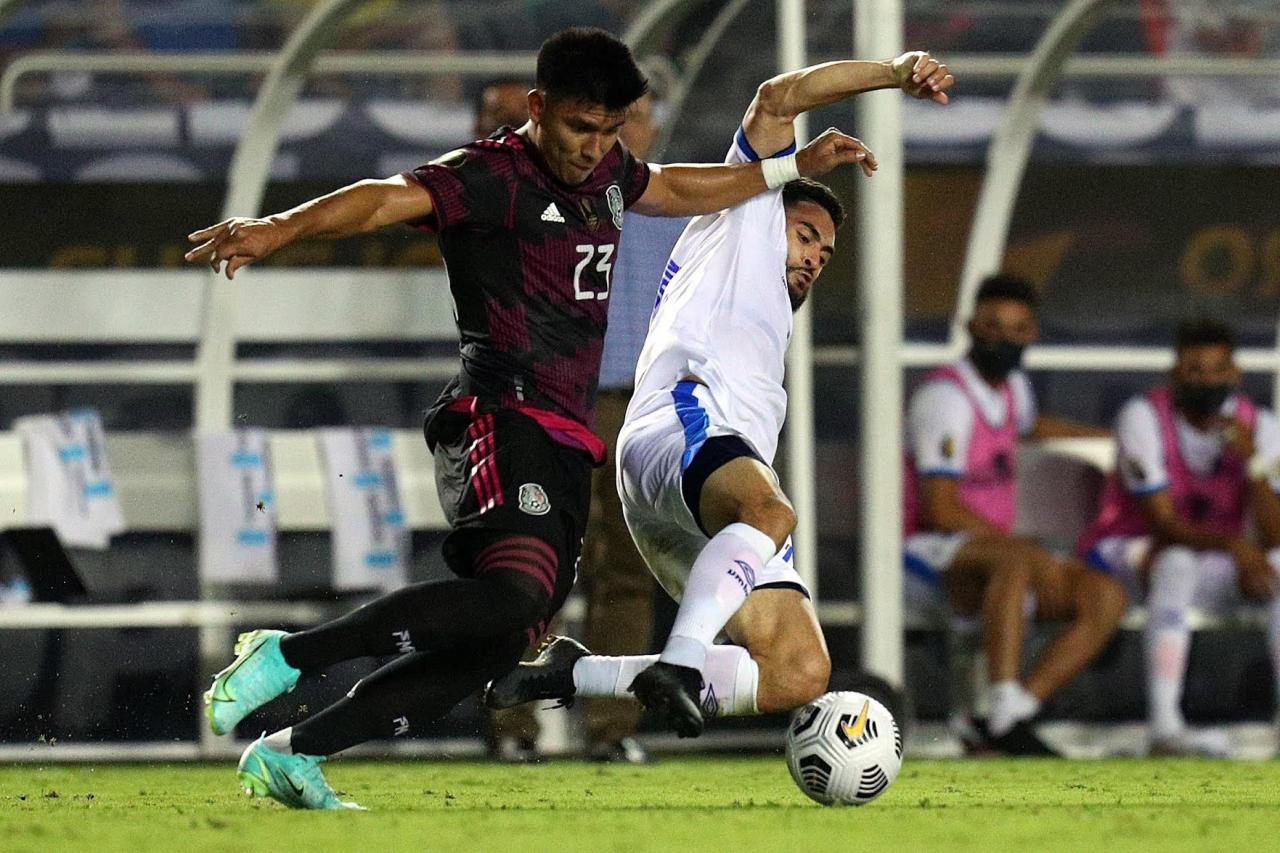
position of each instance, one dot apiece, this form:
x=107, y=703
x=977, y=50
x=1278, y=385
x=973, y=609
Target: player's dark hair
x=1203, y=331
x=1005, y=286
x=589, y=64
x=807, y=189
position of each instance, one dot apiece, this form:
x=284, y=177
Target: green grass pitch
x=677, y=804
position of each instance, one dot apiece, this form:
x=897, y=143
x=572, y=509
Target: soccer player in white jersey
x=694, y=457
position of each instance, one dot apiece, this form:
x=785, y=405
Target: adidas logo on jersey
x=552, y=214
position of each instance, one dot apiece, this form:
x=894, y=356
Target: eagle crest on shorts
x=534, y=500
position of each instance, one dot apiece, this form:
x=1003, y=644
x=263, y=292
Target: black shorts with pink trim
x=499, y=472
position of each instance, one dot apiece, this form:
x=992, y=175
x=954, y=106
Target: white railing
x=271, y=306
x=404, y=63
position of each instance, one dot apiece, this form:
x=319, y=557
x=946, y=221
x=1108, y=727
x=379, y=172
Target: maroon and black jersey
x=529, y=261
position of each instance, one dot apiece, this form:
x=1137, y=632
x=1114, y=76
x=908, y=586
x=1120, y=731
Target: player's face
x=1203, y=378
x=573, y=135
x=811, y=240
x=1008, y=320
x=1209, y=364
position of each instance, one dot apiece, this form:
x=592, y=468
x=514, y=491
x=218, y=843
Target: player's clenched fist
x=237, y=241
x=921, y=76
x=833, y=149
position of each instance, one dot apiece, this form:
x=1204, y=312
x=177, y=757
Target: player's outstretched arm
x=769, y=119
x=355, y=209
x=692, y=190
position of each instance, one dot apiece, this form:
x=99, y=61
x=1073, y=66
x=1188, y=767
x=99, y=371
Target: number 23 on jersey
x=603, y=258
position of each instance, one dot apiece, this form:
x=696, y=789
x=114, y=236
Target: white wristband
x=779, y=170
x=1260, y=468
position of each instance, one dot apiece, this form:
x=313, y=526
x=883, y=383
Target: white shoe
x=1201, y=743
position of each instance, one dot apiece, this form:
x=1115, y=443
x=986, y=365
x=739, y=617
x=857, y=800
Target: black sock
x=511, y=592
x=406, y=695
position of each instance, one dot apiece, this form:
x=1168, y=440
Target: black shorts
x=499, y=471
x=714, y=454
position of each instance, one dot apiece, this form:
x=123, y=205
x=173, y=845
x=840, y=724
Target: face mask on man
x=1201, y=398
x=995, y=359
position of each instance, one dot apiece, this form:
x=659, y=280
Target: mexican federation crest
x=534, y=500
x=613, y=196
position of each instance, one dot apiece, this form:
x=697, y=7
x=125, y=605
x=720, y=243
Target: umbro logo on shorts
x=552, y=214
x=534, y=500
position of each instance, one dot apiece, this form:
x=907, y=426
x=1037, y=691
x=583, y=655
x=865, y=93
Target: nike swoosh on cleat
x=271, y=773
x=295, y=788
x=220, y=681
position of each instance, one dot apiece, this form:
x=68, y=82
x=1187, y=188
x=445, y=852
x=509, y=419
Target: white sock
x=1010, y=705
x=279, y=741
x=1167, y=637
x=603, y=675
x=721, y=579
x=730, y=679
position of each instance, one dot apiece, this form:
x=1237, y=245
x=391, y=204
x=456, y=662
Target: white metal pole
x=801, y=477
x=877, y=34
x=246, y=183
x=1010, y=149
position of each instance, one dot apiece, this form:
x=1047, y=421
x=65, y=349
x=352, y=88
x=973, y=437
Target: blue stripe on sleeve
x=740, y=139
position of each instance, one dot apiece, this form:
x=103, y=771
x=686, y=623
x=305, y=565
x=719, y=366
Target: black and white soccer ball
x=844, y=748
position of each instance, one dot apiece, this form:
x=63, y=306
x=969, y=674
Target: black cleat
x=1021, y=740
x=548, y=676
x=671, y=692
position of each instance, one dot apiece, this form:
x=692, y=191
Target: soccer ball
x=844, y=748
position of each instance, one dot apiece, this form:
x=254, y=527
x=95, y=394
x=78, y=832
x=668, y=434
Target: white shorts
x=1216, y=588
x=925, y=557
x=928, y=555
x=651, y=458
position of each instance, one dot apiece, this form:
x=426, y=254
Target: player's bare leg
x=1091, y=604
x=780, y=630
x=994, y=576
x=748, y=517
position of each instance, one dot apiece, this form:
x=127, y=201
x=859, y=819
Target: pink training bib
x=1216, y=500
x=988, y=486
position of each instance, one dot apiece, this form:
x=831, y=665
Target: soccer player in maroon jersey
x=528, y=223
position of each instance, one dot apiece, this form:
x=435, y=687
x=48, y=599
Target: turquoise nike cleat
x=257, y=675
x=294, y=780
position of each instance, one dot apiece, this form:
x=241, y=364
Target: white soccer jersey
x=723, y=315
x=940, y=417
x=1140, y=445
